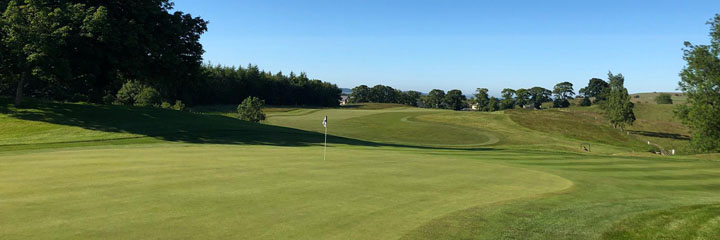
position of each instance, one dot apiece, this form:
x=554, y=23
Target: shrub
x=561, y=103
x=128, y=91
x=165, y=105
x=251, y=109
x=179, y=105
x=663, y=98
x=108, y=99
x=636, y=96
x=585, y=102
x=147, y=97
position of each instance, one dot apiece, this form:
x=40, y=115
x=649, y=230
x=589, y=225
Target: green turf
x=78, y=171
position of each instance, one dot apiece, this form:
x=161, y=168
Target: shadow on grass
x=661, y=135
x=174, y=126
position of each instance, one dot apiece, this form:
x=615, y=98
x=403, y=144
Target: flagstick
x=325, y=149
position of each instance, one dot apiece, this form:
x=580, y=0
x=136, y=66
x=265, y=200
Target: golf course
x=87, y=171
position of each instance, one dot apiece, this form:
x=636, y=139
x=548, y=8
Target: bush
x=127, y=93
x=663, y=98
x=109, y=99
x=636, y=96
x=251, y=109
x=147, y=97
x=165, y=105
x=179, y=105
x=585, y=102
x=561, y=103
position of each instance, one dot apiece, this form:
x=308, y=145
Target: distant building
x=343, y=100
x=475, y=106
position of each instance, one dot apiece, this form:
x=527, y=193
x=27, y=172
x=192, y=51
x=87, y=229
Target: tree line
x=83, y=50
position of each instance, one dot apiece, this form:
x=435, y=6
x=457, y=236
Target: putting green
x=223, y=191
x=396, y=126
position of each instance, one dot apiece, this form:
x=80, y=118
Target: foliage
x=701, y=84
x=179, y=105
x=165, y=105
x=564, y=90
x=481, y=98
x=493, y=104
x=128, y=92
x=230, y=85
x=455, y=100
x=585, y=102
x=522, y=97
x=384, y=94
x=617, y=108
x=436, y=99
x=561, y=103
x=596, y=88
x=251, y=109
x=539, y=95
x=148, y=97
x=664, y=98
x=360, y=94
x=85, y=49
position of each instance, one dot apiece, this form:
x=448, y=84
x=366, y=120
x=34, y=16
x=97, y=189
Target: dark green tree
x=251, y=109
x=522, y=97
x=455, y=99
x=617, y=108
x=596, y=88
x=493, y=104
x=585, y=102
x=360, y=94
x=700, y=81
x=564, y=90
x=436, y=98
x=481, y=98
x=538, y=96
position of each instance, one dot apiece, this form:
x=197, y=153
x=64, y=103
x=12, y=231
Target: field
x=80, y=171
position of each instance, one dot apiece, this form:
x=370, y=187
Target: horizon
x=464, y=45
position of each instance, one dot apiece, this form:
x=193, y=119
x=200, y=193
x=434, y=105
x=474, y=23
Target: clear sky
x=421, y=45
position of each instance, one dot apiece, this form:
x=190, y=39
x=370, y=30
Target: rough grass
x=649, y=98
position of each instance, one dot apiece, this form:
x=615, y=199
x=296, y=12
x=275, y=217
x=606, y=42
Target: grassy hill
x=677, y=97
x=93, y=171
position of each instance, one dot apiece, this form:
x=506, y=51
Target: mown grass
x=88, y=171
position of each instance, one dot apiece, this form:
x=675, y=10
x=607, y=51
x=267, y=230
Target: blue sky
x=422, y=45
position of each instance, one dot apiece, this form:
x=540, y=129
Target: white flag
x=325, y=122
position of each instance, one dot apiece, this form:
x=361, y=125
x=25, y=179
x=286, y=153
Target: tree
x=251, y=110
x=596, y=88
x=508, y=93
x=585, y=102
x=493, y=104
x=700, y=81
x=411, y=98
x=481, y=98
x=435, y=98
x=561, y=103
x=564, y=90
x=664, y=98
x=360, y=94
x=538, y=96
x=86, y=49
x=522, y=97
x=617, y=108
x=455, y=100
x=148, y=97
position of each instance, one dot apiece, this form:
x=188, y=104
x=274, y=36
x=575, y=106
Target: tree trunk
x=19, y=90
